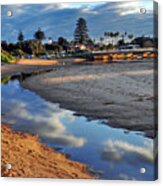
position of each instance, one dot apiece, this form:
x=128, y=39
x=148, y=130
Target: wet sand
x=33, y=65
x=121, y=93
x=30, y=158
x=16, y=69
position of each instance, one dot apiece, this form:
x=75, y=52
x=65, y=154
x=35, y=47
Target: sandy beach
x=79, y=91
x=121, y=93
x=30, y=158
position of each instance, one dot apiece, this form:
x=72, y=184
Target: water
x=113, y=153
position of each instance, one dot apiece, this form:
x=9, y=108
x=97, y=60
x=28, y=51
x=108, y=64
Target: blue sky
x=59, y=19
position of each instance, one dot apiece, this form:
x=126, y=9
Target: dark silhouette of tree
x=101, y=40
x=81, y=32
x=116, y=35
x=125, y=35
x=130, y=36
x=39, y=36
x=20, y=37
x=29, y=47
x=63, y=43
x=20, y=41
x=106, y=34
x=121, y=42
x=112, y=35
x=4, y=45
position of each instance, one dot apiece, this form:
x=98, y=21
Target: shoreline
x=30, y=158
x=34, y=65
x=82, y=85
x=89, y=93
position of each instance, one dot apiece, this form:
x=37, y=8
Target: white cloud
x=15, y=9
x=121, y=5
x=87, y=10
x=133, y=7
x=127, y=12
x=100, y=18
x=55, y=6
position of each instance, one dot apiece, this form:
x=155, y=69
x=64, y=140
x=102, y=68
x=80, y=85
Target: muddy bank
x=30, y=158
x=123, y=94
x=36, y=65
x=16, y=69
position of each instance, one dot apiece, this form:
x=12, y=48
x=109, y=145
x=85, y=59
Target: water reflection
x=46, y=124
x=110, y=151
x=117, y=150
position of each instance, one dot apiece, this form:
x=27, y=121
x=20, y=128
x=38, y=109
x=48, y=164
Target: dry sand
x=41, y=62
x=121, y=93
x=29, y=158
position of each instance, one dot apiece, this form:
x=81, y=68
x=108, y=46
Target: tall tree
x=107, y=35
x=130, y=36
x=116, y=34
x=64, y=43
x=101, y=40
x=20, y=36
x=122, y=40
x=39, y=36
x=125, y=34
x=112, y=36
x=81, y=32
x=4, y=45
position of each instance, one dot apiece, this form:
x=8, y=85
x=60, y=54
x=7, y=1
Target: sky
x=59, y=19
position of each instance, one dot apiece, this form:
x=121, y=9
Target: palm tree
x=101, y=40
x=116, y=35
x=112, y=36
x=106, y=34
x=123, y=36
x=130, y=36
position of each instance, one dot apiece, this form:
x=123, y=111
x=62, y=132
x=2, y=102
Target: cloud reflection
x=117, y=151
x=47, y=124
x=125, y=177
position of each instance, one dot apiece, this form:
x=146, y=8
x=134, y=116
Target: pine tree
x=20, y=36
x=39, y=35
x=81, y=32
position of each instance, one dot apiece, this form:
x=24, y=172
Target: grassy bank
x=6, y=57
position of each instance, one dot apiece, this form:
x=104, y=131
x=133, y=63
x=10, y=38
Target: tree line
x=36, y=46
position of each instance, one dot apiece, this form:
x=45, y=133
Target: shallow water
x=113, y=153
